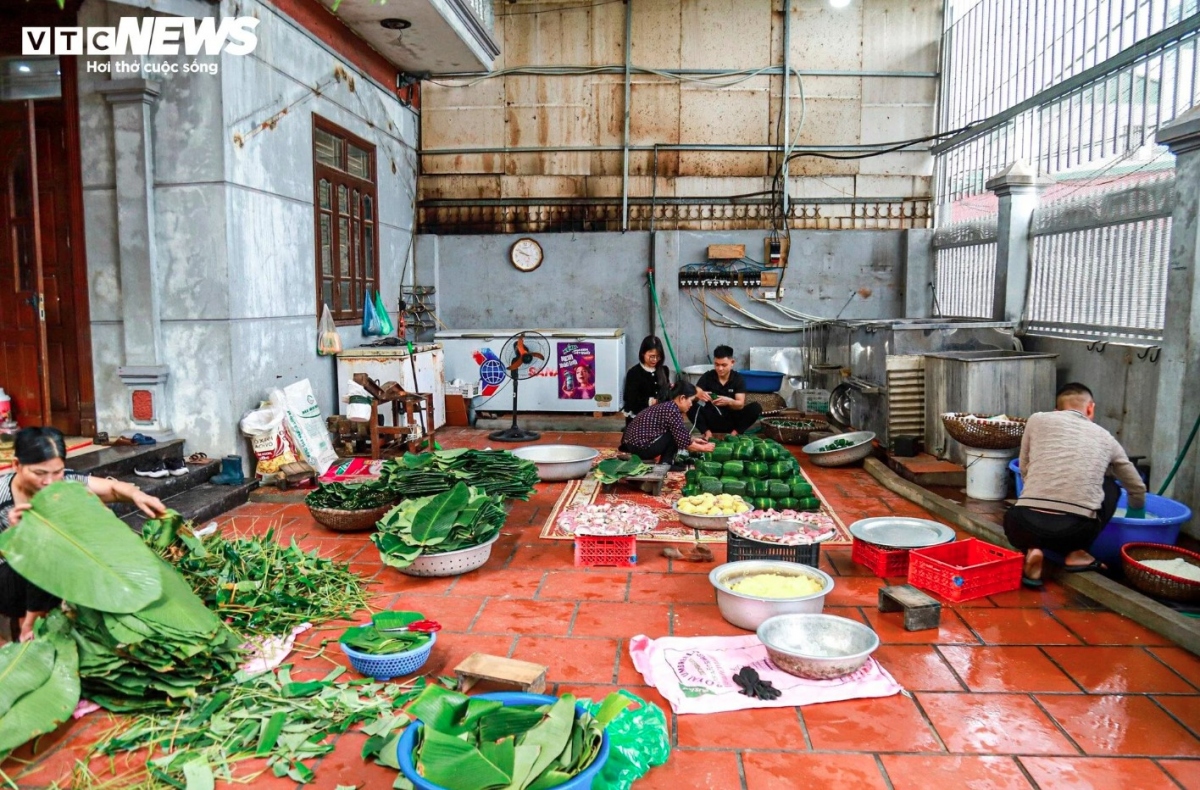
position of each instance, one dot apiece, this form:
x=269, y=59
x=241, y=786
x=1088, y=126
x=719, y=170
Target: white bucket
x=359, y=409
x=987, y=473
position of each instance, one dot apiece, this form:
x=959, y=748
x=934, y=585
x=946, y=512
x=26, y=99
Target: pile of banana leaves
x=144, y=638
x=256, y=585
x=351, y=496
x=614, y=470
x=496, y=472
x=456, y=519
x=476, y=744
x=39, y=683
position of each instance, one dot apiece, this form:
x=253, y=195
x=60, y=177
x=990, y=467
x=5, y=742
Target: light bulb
x=23, y=69
x=839, y=3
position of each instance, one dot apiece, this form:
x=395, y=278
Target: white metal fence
x=1100, y=261
x=965, y=268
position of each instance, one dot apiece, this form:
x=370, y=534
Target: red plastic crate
x=881, y=561
x=965, y=570
x=614, y=550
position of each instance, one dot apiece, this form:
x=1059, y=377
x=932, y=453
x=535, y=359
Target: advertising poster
x=576, y=371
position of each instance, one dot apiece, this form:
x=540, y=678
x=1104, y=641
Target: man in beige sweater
x=1068, y=497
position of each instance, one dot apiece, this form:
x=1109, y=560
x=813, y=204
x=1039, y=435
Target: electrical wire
x=557, y=10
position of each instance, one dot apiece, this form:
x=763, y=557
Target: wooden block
x=525, y=675
x=720, y=252
x=768, y=279
x=920, y=610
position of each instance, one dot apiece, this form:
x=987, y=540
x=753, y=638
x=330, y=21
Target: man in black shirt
x=721, y=399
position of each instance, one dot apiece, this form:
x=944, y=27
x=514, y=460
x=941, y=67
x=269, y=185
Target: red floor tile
x=670, y=588
x=625, y=620
x=890, y=628
x=702, y=619
x=455, y=613
x=1017, y=627
x=1179, y=660
x=392, y=580
x=498, y=583
x=922, y=771
x=787, y=771
x=761, y=728
x=1186, y=772
x=843, y=565
x=888, y=724
x=917, y=667
x=1006, y=669
x=344, y=766
x=694, y=770
x=1108, y=628
x=720, y=555
x=1050, y=596
x=1185, y=709
x=1117, y=669
x=993, y=724
x=1096, y=773
x=1121, y=725
x=452, y=649
x=545, y=555
x=592, y=585
x=855, y=591
x=544, y=618
x=573, y=660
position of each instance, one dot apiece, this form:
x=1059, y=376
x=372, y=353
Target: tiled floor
x=1025, y=689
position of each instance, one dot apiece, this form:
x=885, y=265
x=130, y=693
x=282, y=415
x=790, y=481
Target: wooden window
x=346, y=209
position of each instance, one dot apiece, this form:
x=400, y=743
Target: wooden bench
x=920, y=610
x=524, y=675
x=652, y=482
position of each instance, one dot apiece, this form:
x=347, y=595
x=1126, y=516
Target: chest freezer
x=391, y=363
x=584, y=370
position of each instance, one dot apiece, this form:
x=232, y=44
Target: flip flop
x=1032, y=584
x=197, y=459
x=1094, y=565
x=142, y=439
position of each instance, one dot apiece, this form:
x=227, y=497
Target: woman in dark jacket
x=660, y=431
x=647, y=382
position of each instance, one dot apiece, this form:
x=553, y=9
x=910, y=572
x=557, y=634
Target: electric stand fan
x=524, y=356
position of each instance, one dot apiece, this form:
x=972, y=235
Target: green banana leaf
x=43, y=709
x=71, y=545
x=432, y=523
x=24, y=666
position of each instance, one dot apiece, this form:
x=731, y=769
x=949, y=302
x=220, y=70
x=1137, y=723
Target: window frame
x=366, y=188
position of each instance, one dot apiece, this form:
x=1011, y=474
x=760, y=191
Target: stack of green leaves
x=354, y=496
x=496, y=472
x=456, y=519
x=271, y=717
x=613, y=470
x=144, y=637
x=258, y=586
x=383, y=636
x=39, y=683
x=475, y=744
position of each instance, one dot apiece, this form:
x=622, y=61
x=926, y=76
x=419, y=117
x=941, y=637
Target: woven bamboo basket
x=348, y=520
x=975, y=430
x=1157, y=583
x=784, y=434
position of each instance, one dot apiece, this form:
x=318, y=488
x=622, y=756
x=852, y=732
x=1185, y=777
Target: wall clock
x=526, y=254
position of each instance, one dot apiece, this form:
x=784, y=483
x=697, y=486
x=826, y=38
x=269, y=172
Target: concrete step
x=201, y=503
x=169, y=486
x=120, y=461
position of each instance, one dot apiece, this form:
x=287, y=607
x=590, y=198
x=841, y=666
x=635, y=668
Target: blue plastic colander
x=390, y=665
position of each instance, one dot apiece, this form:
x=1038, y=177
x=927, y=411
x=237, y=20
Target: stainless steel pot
x=817, y=646
x=821, y=454
x=749, y=611
x=559, y=461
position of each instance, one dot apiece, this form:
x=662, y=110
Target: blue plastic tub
x=581, y=780
x=390, y=665
x=762, y=380
x=1172, y=516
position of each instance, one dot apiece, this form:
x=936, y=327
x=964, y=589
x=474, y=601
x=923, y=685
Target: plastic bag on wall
x=329, y=342
x=370, y=325
x=386, y=327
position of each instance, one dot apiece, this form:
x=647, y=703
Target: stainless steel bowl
x=749, y=611
x=559, y=461
x=821, y=456
x=700, y=522
x=817, y=646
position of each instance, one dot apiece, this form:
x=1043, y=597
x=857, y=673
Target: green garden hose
x=658, y=309
x=1179, y=458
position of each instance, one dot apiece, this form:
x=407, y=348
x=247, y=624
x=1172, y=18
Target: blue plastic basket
x=581, y=780
x=386, y=667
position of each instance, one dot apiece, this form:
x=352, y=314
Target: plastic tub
x=581, y=780
x=762, y=380
x=986, y=479
x=1171, y=516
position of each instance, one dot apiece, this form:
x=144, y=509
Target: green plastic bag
x=386, y=327
x=638, y=740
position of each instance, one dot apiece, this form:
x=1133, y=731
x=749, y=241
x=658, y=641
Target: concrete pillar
x=1018, y=187
x=918, y=273
x=143, y=373
x=1178, y=402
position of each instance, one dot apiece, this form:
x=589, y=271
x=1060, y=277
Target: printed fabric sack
x=269, y=439
x=306, y=426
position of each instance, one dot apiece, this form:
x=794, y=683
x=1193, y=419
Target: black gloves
x=752, y=686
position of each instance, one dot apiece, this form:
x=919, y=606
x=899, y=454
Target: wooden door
x=66, y=367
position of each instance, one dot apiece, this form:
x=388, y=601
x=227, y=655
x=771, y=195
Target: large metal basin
x=821, y=454
x=559, y=461
x=817, y=646
x=750, y=611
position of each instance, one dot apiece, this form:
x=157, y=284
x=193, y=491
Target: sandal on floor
x=1033, y=584
x=1094, y=565
x=197, y=459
